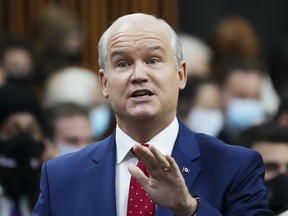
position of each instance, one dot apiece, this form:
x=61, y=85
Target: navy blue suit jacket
x=228, y=179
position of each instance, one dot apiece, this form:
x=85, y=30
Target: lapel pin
x=186, y=170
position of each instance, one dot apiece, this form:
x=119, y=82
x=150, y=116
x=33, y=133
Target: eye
x=153, y=61
x=271, y=166
x=72, y=141
x=123, y=64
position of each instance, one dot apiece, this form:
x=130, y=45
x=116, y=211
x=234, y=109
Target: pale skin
x=163, y=184
x=26, y=122
x=142, y=82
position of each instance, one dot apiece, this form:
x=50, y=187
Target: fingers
x=162, y=162
x=152, y=158
x=145, y=155
x=173, y=164
x=138, y=175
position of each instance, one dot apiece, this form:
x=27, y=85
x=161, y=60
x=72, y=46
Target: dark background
x=269, y=18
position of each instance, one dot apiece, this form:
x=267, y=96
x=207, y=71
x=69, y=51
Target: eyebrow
x=122, y=52
x=155, y=48
x=117, y=52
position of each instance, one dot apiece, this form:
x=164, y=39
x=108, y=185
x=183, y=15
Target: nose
x=139, y=73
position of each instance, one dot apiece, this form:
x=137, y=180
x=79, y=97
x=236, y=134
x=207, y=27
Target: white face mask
x=208, y=121
x=66, y=148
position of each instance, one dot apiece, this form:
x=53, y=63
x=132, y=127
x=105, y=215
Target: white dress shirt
x=6, y=205
x=164, y=142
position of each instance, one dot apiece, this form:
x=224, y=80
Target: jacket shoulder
x=76, y=160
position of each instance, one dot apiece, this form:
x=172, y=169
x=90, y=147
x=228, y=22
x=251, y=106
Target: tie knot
x=145, y=144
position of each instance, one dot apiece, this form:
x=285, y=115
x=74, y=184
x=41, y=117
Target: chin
x=143, y=115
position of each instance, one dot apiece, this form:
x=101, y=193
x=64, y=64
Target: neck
x=144, y=130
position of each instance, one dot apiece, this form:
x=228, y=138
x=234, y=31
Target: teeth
x=140, y=93
x=142, y=96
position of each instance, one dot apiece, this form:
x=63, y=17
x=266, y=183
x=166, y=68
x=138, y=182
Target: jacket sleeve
x=247, y=194
x=42, y=207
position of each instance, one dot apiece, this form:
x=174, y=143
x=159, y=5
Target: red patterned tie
x=139, y=203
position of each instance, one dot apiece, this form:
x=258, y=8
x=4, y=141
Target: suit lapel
x=102, y=170
x=185, y=152
x=102, y=178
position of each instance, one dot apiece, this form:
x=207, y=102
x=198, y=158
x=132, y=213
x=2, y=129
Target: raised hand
x=166, y=185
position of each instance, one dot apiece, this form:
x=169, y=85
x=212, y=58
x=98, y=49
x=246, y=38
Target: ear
x=182, y=74
x=103, y=83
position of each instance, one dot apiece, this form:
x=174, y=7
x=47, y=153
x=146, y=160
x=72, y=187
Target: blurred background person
x=200, y=105
x=58, y=40
x=241, y=84
x=22, y=150
x=197, y=55
x=234, y=39
x=271, y=141
x=17, y=100
x=72, y=84
x=17, y=60
x=67, y=127
x=281, y=116
x=19, y=174
x=80, y=86
x=279, y=65
x=2, y=76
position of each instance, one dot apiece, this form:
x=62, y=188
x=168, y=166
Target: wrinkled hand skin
x=163, y=184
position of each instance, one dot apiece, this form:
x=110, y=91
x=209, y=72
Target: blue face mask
x=66, y=148
x=243, y=113
x=100, y=118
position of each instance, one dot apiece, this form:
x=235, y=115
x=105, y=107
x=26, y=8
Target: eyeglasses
x=276, y=167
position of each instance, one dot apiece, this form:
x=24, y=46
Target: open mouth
x=142, y=94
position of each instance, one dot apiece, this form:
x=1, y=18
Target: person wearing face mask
x=20, y=168
x=103, y=121
x=67, y=127
x=271, y=141
x=22, y=150
x=199, y=105
x=241, y=82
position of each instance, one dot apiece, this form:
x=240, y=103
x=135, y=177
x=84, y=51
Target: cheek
x=171, y=84
x=269, y=175
x=169, y=92
x=113, y=88
x=115, y=93
x=117, y=84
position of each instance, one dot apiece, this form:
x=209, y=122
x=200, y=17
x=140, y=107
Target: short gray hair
x=174, y=41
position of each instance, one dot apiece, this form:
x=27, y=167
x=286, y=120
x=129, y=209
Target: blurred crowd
x=50, y=106
x=230, y=95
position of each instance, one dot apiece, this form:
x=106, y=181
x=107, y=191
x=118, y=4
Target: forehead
x=136, y=32
x=244, y=84
x=272, y=151
x=72, y=124
x=209, y=96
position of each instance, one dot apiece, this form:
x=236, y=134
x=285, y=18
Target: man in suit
x=141, y=73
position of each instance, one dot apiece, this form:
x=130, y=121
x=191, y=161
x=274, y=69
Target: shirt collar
x=164, y=141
